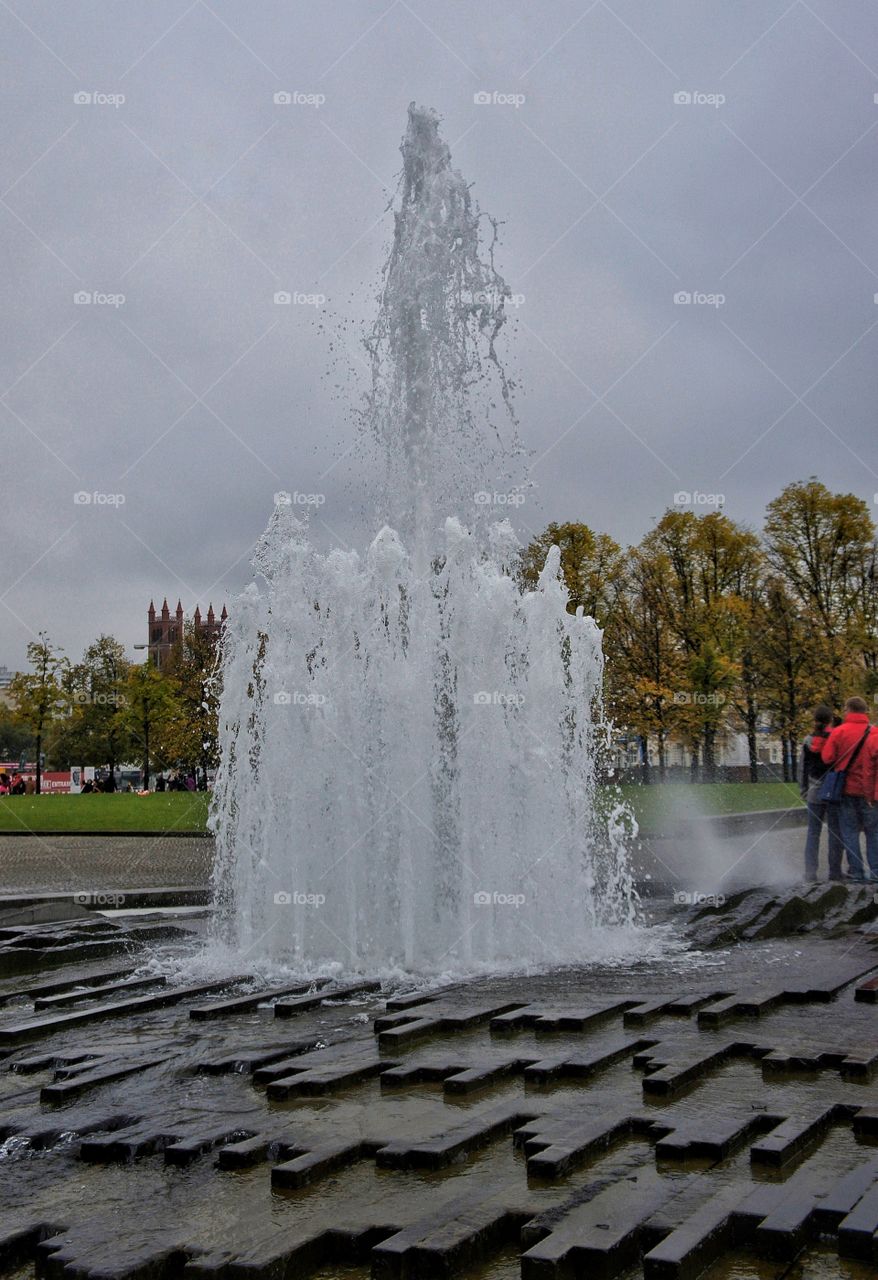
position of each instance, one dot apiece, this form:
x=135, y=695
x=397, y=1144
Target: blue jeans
x=819, y=811
x=856, y=816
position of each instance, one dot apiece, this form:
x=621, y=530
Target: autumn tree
x=37, y=694
x=592, y=565
x=644, y=670
x=97, y=729
x=150, y=704
x=822, y=547
x=190, y=736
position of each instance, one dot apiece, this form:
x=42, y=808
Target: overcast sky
x=184, y=187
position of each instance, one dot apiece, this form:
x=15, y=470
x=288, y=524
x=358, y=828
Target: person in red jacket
x=853, y=746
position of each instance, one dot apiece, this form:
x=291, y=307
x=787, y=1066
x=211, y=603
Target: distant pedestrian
x=853, y=748
x=160, y=782
x=820, y=811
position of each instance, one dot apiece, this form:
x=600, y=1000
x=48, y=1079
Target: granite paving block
x=252, y=1000
x=49, y=1002
x=795, y=1135
x=316, y=1163
x=40, y=1027
x=304, y=1004
x=586, y=1063
x=857, y=1230
x=62, y=1091
x=706, y=1235
x=456, y=1143
x=402, y=1029
x=601, y=1238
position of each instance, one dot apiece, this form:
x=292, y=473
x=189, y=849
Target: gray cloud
x=199, y=198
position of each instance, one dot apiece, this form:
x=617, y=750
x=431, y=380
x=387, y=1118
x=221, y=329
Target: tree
x=711, y=570
x=822, y=546
x=644, y=671
x=148, y=707
x=190, y=736
x=17, y=741
x=37, y=695
x=98, y=729
x=593, y=566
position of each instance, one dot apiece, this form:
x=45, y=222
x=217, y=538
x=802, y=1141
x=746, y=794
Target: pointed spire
x=210, y=613
x=224, y=614
x=166, y=613
x=179, y=610
x=151, y=611
x=197, y=616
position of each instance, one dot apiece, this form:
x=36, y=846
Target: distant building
x=6, y=678
x=166, y=629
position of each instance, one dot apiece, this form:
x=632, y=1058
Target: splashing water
x=408, y=740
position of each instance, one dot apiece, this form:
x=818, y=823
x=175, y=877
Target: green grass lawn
x=655, y=806
x=658, y=805
x=174, y=811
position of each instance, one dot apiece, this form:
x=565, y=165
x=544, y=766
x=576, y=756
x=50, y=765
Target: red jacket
x=839, y=746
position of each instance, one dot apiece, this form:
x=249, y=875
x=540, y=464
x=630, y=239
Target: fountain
x=409, y=740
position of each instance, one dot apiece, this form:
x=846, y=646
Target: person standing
x=820, y=811
x=853, y=747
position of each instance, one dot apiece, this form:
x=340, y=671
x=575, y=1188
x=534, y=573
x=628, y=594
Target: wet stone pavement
x=80, y=864
x=711, y=1113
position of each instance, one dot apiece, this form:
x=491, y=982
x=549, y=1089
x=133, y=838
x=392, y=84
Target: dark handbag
x=832, y=787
